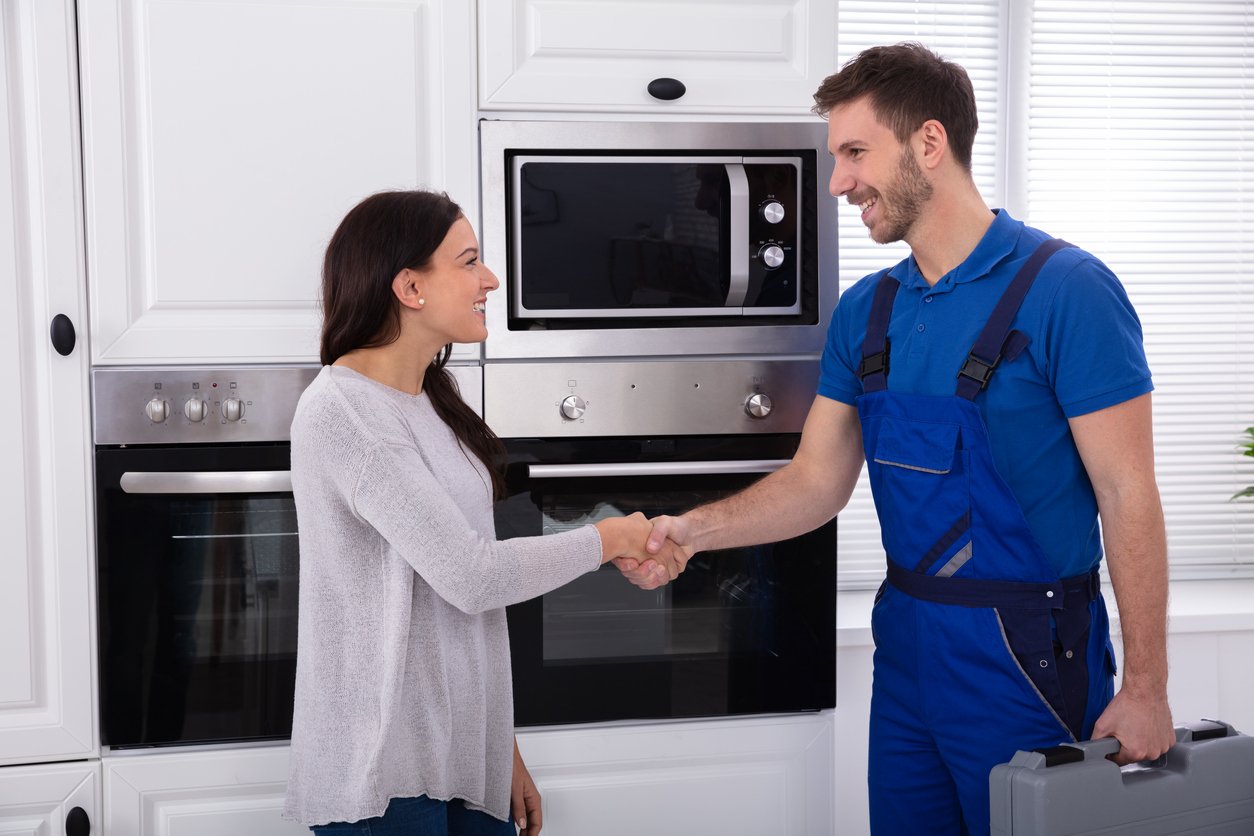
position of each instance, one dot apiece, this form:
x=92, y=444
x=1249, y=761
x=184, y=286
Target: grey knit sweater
x=403, y=671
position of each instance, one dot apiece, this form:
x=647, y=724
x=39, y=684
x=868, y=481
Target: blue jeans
x=422, y=816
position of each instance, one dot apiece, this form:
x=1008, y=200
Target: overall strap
x=875, y=347
x=997, y=339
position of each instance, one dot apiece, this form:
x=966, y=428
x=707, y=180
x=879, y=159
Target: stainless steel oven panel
x=497, y=136
x=554, y=399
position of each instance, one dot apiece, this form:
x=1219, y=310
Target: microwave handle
x=738, y=243
x=239, y=481
x=707, y=468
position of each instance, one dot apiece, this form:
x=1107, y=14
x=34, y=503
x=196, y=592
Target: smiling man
x=995, y=382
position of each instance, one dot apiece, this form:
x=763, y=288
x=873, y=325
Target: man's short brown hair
x=907, y=85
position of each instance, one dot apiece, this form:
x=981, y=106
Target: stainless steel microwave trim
x=610, y=469
x=241, y=481
x=745, y=138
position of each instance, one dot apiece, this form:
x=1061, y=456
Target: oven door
x=741, y=631
x=197, y=593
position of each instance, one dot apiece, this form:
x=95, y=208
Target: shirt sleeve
x=397, y=494
x=1094, y=351
x=838, y=368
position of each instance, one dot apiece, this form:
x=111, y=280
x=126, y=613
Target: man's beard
x=903, y=201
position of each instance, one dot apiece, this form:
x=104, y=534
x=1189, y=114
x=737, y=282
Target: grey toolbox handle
x=1091, y=750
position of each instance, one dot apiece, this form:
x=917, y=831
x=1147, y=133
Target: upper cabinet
x=223, y=143
x=47, y=658
x=753, y=56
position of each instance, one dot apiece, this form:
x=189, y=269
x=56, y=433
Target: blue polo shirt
x=1085, y=353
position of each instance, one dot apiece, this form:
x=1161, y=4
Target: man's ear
x=406, y=288
x=932, y=142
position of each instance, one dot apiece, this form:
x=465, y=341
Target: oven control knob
x=771, y=255
x=232, y=409
x=758, y=406
x=195, y=409
x=772, y=211
x=157, y=410
x=573, y=407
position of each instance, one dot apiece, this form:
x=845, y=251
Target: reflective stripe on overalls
x=980, y=648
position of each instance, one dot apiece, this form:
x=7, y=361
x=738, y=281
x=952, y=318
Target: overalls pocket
x=922, y=466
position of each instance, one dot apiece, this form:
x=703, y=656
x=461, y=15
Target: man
x=996, y=384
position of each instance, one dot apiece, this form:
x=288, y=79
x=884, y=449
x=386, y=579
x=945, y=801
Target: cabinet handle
x=666, y=89
x=77, y=823
x=62, y=334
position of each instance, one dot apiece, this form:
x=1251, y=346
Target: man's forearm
x=1136, y=556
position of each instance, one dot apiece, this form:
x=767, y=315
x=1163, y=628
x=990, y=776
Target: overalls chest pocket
x=922, y=472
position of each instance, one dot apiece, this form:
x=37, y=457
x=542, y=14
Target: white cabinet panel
x=47, y=660
x=37, y=800
x=225, y=141
x=205, y=793
x=749, y=775
x=760, y=56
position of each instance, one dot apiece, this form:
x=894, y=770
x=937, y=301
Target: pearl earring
x=421, y=301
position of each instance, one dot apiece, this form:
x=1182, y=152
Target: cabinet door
x=41, y=800
x=223, y=144
x=207, y=793
x=757, y=56
x=46, y=627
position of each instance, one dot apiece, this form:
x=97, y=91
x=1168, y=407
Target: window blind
x=1140, y=148
x=969, y=33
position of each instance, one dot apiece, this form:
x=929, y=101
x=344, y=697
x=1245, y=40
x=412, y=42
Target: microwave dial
x=573, y=407
x=758, y=405
x=772, y=255
x=772, y=211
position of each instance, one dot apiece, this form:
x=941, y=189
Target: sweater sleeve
x=397, y=494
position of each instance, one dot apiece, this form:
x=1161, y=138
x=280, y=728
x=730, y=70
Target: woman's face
x=455, y=285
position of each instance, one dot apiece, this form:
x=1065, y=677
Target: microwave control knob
x=573, y=407
x=758, y=406
x=194, y=409
x=232, y=409
x=772, y=211
x=771, y=255
x=157, y=410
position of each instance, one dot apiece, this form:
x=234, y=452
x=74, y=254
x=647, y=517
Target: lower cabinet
x=50, y=799
x=238, y=792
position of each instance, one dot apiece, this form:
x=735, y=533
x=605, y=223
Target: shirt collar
x=998, y=243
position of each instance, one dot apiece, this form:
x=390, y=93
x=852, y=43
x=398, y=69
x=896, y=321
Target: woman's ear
x=407, y=289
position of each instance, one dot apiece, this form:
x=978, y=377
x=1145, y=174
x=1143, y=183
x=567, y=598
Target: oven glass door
x=741, y=631
x=198, y=574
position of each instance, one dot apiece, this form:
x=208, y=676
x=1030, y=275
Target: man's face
x=875, y=172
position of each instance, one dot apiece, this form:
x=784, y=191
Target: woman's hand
x=524, y=799
x=623, y=540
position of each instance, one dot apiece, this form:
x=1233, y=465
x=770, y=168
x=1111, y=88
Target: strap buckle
x=978, y=370
x=875, y=363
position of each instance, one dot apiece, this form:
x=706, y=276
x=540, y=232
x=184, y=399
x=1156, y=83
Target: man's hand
x=524, y=799
x=624, y=542
x=1141, y=724
x=669, y=535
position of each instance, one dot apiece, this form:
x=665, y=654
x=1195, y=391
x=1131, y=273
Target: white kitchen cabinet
x=753, y=56
x=223, y=143
x=198, y=793
x=47, y=658
x=41, y=800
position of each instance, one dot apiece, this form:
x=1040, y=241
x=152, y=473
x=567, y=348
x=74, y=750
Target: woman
x=403, y=717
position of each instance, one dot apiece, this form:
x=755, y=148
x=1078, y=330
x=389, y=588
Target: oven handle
x=738, y=235
x=208, y=481
x=708, y=468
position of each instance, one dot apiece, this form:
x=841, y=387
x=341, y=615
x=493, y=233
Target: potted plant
x=1247, y=449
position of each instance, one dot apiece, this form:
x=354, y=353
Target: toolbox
x=1203, y=785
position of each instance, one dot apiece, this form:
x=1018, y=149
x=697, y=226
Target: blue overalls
x=980, y=648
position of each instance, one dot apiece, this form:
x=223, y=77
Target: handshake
x=649, y=553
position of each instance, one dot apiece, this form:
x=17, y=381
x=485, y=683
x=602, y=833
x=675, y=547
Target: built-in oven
x=675, y=238
x=741, y=631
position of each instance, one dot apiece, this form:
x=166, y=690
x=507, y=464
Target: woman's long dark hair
x=379, y=237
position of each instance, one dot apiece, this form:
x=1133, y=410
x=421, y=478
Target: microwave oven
x=675, y=238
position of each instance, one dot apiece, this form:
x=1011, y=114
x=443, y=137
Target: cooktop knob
x=772, y=211
x=195, y=409
x=573, y=407
x=232, y=409
x=758, y=405
x=157, y=410
x=772, y=256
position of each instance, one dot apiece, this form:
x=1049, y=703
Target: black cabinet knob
x=77, y=823
x=667, y=89
x=62, y=334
